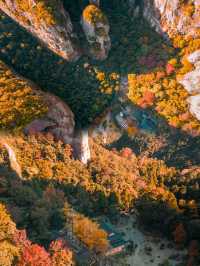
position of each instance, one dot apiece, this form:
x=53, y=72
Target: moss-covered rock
x=96, y=28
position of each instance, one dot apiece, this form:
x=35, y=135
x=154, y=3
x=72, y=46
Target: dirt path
x=149, y=250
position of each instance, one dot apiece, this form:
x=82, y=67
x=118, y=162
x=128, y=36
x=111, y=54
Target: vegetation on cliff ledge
x=55, y=190
x=19, y=101
x=39, y=10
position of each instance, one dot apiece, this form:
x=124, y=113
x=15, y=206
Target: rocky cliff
x=59, y=120
x=173, y=16
x=179, y=21
x=96, y=28
x=24, y=106
x=48, y=21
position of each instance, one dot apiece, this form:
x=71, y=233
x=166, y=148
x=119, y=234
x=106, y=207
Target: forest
x=62, y=68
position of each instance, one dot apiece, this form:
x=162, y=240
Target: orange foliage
x=43, y=10
x=90, y=234
x=93, y=14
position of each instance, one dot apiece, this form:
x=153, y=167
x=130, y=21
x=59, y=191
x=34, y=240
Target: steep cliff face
x=81, y=147
x=191, y=82
x=59, y=120
x=48, y=21
x=24, y=106
x=180, y=21
x=96, y=28
x=173, y=16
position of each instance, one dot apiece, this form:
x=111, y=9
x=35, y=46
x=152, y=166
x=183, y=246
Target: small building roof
x=116, y=239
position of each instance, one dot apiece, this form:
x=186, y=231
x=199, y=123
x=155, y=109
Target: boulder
x=96, y=28
x=48, y=21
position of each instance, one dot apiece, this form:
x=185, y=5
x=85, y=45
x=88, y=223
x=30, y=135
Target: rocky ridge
x=53, y=28
x=96, y=28
x=171, y=18
x=19, y=93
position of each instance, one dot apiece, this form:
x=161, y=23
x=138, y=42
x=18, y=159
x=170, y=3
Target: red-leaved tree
x=34, y=255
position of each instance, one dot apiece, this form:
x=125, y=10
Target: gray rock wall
x=59, y=37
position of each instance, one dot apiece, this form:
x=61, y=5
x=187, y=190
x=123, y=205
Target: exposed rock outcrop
x=173, y=16
x=191, y=82
x=59, y=120
x=24, y=106
x=19, y=102
x=48, y=21
x=81, y=146
x=12, y=157
x=194, y=102
x=96, y=28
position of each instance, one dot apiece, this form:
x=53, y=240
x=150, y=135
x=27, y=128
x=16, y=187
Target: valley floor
x=150, y=250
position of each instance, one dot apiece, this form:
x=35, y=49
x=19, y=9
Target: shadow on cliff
x=131, y=40
x=71, y=81
x=136, y=47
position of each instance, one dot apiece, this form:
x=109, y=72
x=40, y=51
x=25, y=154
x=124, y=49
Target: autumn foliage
x=34, y=255
x=60, y=253
x=90, y=234
x=19, y=102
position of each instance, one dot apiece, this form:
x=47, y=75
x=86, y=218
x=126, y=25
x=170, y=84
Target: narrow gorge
x=100, y=132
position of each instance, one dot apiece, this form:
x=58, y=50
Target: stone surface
x=170, y=17
x=58, y=36
x=191, y=81
x=194, y=58
x=96, y=28
x=12, y=157
x=57, y=118
x=59, y=121
x=81, y=146
x=194, y=102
